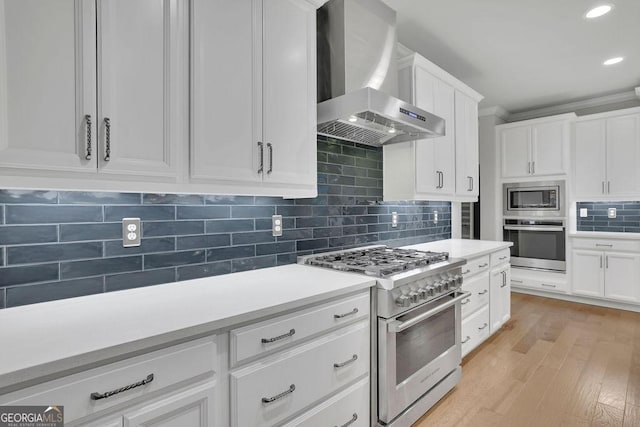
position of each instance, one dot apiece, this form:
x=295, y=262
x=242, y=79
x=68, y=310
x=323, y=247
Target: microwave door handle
x=527, y=228
x=396, y=326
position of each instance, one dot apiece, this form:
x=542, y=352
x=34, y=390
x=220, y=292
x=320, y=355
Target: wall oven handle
x=528, y=228
x=396, y=326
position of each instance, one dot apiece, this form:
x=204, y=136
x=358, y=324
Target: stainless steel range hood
x=358, y=77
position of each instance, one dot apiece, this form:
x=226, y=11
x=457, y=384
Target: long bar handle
x=279, y=337
x=528, y=228
x=291, y=389
x=98, y=396
x=261, y=156
x=87, y=119
x=401, y=326
x=107, y=128
x=604, y=245
x=346, y=362
x=270, y=148
x=483, y=292
x=470, y=178
x=483, y=326
x=350, y=313
x=466, y=340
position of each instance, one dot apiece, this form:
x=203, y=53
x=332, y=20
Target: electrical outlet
x=131, y=232
x=435, y=217
x=612, y=212
x=583, y=213
x=394, y=219
x=276, y=225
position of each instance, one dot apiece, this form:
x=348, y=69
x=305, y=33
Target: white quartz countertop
x=605, y=235
x=462, y=248
x=41, y=341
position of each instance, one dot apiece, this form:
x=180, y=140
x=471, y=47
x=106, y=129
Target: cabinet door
x=289, y=92
x=192, y=408
x=499, y=298
x=588, y=273
x=226, y=91
x=515, y=146
x=445, y=146
x=622, y=276
x=47, y=85
x=139, y=86
x=589, y=152
x=548, y=148
x=466, y=146
x=623, y=155
x=427, y=179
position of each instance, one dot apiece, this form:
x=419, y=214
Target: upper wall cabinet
x=253, y=86
x=90, y=87
x=538, y=147
x=606, y=154
x=444, y=168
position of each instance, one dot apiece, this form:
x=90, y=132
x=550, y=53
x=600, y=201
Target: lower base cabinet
x=500, y=290
x=475, y=329
x=609, y=275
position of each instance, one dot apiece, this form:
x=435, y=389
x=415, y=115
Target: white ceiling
x=525, y=54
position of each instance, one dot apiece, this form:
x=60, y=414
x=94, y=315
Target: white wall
x=489, y=195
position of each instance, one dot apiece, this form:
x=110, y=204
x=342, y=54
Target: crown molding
x=576, y=105
x=317, y=3
x=402, y=51
x=494, y=111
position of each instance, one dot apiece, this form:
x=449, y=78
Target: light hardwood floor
x=555, y=363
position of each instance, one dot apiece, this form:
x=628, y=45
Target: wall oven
x=537, y=244
x=534, y=199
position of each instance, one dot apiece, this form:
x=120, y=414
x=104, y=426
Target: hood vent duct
x=357, y=77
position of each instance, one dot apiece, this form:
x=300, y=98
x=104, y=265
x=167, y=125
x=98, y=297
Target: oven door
x=537, y=245
x=415, y=351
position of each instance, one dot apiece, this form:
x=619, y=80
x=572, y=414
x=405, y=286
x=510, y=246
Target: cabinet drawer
x=475, y=330
x=478, y=286
x=169, y=366
x=260, y=338
x=351, y=404
x=607, y=244
x=502, y=256
x=475, y=266
x=271, y=390
x=542, y=285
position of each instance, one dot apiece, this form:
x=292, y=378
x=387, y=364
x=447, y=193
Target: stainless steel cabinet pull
x=483, y=265
x=606, y=261
x=279, y=337
x=600, y=261
x=547, y=285
x=441, y=179
x=533, y=168
x=603, y=245
x=98, y=396
x=516, y=281
x=466, y=272
x=483, y=292
x=351, y=313
x=270, y=148
x=504, y=279
x=483, y=326
x=529, y=168
x=602, y=187
x=261, y=156
x=466, y=340
x=470, y=178
x=353, y=419
x=465, y=302
x=343, y=364
x=107, y=128
x=87, y=119
x=291, y=389
x=503, y=258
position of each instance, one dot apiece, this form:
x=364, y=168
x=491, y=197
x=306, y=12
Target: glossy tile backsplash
x=627, y=217
x=56, y=245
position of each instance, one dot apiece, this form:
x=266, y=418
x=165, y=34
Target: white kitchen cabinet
x=254, y=96
x=90, y=87
x=467, y=155
x=536, y=147
x=443, y=168
x=605, y=274
x=500, y=297
x=606, y=153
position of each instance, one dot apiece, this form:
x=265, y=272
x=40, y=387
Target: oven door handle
x=527, y=228
x=396, y=326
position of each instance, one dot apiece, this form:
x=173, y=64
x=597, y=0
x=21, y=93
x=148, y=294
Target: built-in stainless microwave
x=534, y=199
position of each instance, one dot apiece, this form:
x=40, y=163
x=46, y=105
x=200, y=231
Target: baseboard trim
x=578, y=299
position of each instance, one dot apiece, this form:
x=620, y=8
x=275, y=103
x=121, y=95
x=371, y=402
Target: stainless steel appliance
x=537, y=244
x=534, y=199
x=416, y=349
x=358, y=77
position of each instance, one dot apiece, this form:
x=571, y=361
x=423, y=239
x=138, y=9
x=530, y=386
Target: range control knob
x=414, y=297
x=458, y=278
x=438, y=287
x=431, y=290
x=452, y=283
x=403, y=301
x=423, y=293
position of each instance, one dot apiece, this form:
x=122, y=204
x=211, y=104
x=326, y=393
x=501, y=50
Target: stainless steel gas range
x=416, y=351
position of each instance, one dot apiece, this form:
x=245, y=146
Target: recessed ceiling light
x=612, y=61
x=598, y=11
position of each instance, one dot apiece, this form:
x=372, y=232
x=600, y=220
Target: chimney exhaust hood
x=358, y=77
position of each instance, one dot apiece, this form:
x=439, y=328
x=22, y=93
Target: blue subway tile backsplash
x=56, y=245
x=627, y=218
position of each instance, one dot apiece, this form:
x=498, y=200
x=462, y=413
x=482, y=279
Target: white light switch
x=583, y=212
x=131, y=232
x=611, y=213
x=394, y=219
